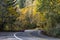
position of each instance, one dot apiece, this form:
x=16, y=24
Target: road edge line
x=17, y=37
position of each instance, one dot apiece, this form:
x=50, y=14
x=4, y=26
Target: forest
x=16, y=15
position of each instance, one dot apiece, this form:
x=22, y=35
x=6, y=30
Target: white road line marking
x=17, y=37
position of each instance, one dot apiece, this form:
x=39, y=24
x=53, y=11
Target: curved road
x=27, y=35
x=32, y=35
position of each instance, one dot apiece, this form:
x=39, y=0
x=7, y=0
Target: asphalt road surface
x=27, y=35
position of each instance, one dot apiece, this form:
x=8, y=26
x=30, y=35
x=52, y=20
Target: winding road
x=27, y=35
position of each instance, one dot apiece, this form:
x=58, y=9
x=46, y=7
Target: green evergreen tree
x=8, y=14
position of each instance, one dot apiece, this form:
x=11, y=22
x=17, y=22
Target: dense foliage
x=12, y=18
x=8, y=14
x=50, y=9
